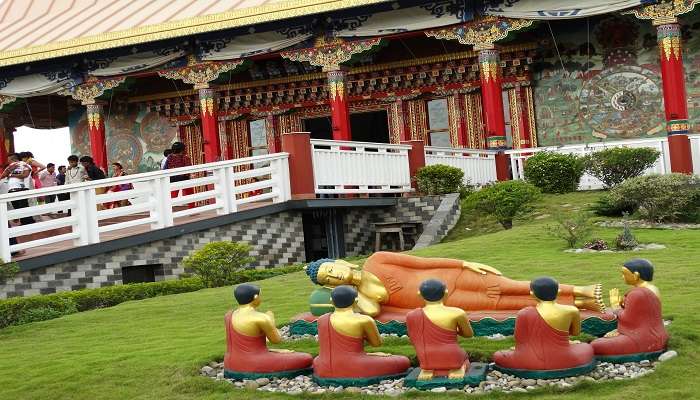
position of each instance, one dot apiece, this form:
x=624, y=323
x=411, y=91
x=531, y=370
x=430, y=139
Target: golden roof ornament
x=330, y=54
x=481, y=33
x=200, y=74
x=5, y=100
x=91, y=89
x=665, y=12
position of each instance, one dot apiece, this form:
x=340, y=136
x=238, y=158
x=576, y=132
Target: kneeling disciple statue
x=640, y=333
x=341, y=359
x=247, y=355
x=433, y=331
x=542, y=347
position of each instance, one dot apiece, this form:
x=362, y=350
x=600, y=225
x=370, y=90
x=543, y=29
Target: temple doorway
x=370, y=127
x=320, y=128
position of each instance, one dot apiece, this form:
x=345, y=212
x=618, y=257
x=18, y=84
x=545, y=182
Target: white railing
x=145, y=201
x=662, y=165
x=479, y=166
x=695, y=150
x=359, y=167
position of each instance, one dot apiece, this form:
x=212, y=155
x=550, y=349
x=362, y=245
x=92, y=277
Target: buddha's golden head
x=637, y=270
x=327, y=272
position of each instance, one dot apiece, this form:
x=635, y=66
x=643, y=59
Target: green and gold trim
x=677, y=127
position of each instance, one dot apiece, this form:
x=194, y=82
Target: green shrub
x=571, y=227
x=659, y=198
x=217, y=263
x=8, y=270
x=615, y=165
x=608, y=207
x=22, y=310
x=626, y=240
x=505, y=200
x=439, y=179
x=554, y=172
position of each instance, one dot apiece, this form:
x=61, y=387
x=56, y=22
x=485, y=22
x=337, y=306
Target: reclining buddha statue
x=389, y=282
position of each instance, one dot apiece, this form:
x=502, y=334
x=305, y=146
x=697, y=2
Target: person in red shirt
x=178, y=159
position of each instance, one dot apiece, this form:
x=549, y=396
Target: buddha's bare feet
x=425, y=375
x=457, y=373
x=590, y=297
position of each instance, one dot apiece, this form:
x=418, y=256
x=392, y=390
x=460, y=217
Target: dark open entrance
x=370, y=127
x=140, y=273
x=320, y=128
x=323, y=234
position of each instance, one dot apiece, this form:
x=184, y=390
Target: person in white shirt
x=47, y=178
x=18, y=173
x=75, y=173
x=164, y=161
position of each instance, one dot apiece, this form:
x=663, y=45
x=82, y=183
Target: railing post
x=165, y=201
x=88, y=211
x=223, y=190
x=156, y=203
x=502, y=166
x=78, y=211
x=416, y=159
x=5, y=252
x=284, y=180
x=300, y=165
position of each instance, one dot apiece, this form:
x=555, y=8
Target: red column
x=96, y=131
x=274, y=144
x=340, y=110
x=416, y=158
x=462, y=133
x=402, y=120
x=301, y=171
x=492, y=98
x=210, y=125
x=3, y=140
x=675, y=101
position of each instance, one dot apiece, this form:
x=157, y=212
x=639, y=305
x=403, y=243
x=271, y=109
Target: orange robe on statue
x=402, y=275
x=436, y=347
x=639, y=324
x=341, y=356
x=540, y=347
x=250, y=354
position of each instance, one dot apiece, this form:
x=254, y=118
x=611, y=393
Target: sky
x=47, y=145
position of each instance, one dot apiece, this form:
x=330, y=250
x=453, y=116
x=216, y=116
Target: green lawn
x=153, y=349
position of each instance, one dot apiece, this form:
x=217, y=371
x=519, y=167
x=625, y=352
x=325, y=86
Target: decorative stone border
x=646, y=225
x=648, y=246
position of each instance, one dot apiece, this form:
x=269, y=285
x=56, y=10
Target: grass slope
x=153, y=349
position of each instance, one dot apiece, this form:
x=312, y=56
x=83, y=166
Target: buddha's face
x=334, y=274
x=631, y=278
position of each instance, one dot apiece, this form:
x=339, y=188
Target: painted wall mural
x=607, y=83
x=135, y=138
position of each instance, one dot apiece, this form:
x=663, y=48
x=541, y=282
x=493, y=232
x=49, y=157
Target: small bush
x=606, y=206
x=572, y=228
x=22, y=310
x=218, y=263
x=554, y=172
x=440, y=179
x=8, y=270
x=615, y=165
x=596, y=244
x=505, y=200
x=659, y=198
x=626, y=240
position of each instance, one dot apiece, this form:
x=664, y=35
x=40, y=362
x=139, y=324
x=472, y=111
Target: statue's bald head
x=641, y=266
x=545, y=288
x=432, y=290
x=344, y=296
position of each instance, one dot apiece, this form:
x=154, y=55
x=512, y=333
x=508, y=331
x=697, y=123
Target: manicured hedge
x=22, y=310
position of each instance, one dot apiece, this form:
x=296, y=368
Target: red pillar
x=502, y=166
x=459, y=110
x=210, y=125
x=492, y=98
x=416, y=158
x=675, y=101
x=96, y=131
x=3, y=140
x=340, y=110
x=301, y=170
x=402, y=120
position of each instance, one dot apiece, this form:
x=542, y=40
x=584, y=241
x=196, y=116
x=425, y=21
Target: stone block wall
x=277, y=239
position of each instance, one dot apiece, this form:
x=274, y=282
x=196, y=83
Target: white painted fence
x=358, y=167
x=695, y=149
x=662, y=165
x=222, y=187
x=479, y=166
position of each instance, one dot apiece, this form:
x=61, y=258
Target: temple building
x=229, y=78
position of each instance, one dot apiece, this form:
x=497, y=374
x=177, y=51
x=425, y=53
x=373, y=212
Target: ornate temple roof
x=39, y=30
